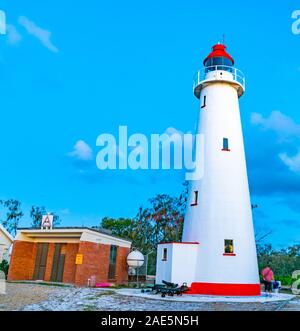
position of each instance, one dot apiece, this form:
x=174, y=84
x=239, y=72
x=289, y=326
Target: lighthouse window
x=204, y=102
x=225, y=144
x=165, y=254
x=228, y=247
x=221, y=63
x=195, y=203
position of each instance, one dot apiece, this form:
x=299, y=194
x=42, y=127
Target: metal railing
x=202, y=75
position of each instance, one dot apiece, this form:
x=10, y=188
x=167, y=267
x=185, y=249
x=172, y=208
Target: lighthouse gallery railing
x=201, y=75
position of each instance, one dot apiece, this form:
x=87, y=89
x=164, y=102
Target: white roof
x=6, y=233
x=71, y=234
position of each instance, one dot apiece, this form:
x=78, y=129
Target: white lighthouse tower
x=217, y=255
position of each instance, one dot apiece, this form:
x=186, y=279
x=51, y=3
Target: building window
x=226, y=145
x=112, y=262
x=165, y=254
x=204, y=102
x=228, y=247
x=195, y=203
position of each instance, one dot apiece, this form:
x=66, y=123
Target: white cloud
x=292, y=162
x=257, y=119
x=285, y=127
x=13, y=35
x=42, y=35
x=277, y=122
x=82, y=151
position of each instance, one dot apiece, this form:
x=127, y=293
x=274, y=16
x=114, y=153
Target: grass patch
x=103, y=293
x=41, y=283
x=90, y=308
x=90, y=298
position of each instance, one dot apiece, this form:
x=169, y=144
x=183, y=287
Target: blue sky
x=71, y=70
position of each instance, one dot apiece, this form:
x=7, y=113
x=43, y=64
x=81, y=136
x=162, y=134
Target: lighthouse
x=217, y=255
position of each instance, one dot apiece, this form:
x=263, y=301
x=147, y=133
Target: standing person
x=268, y=277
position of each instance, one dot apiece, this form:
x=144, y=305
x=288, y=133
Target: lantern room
x=219, y=57
x=219, y=68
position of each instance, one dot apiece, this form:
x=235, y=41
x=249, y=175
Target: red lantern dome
x=219, y=51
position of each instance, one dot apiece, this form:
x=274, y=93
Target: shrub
x=285, y=280
x=4, y=267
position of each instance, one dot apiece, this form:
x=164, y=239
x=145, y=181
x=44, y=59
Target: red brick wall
x=70, y=266
x=122, y=267
x=95, y=263
x=22, y=261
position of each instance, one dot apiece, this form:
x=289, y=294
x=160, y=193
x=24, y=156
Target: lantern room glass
x=218, y=63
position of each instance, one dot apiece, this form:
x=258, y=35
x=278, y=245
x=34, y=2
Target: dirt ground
x=34, y=297
x=19, y=295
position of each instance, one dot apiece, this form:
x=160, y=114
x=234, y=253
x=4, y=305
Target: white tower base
x=177, y=263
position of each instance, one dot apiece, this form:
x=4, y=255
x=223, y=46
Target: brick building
x=70, y=255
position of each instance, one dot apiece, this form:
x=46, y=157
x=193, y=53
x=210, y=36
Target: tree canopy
x=161, y=220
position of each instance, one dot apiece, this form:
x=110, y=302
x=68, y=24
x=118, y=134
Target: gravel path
x=19, y=295
x=52, y=298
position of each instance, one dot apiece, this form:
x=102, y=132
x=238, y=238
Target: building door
x=40, y=261
x=58, y=263
x=112, y=262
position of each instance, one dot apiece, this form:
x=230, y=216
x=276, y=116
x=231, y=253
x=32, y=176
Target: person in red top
x=268, y=277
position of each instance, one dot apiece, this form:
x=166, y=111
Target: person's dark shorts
x=268, y=286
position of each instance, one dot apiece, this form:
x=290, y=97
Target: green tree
x=13, y=215
x=121, y=227
x=283, y=262
x=160, y=221
x=36, y=214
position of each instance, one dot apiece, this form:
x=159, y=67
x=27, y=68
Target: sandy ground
x=52, y=298
x=20, y=295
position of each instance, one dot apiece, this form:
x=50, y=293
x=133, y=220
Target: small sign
x=47, y=221
x=79, y=258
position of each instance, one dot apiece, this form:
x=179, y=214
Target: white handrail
x=237, y=75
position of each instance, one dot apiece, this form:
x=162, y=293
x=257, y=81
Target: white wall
x=5, y=243
x=180, y=266
x=164, y=268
